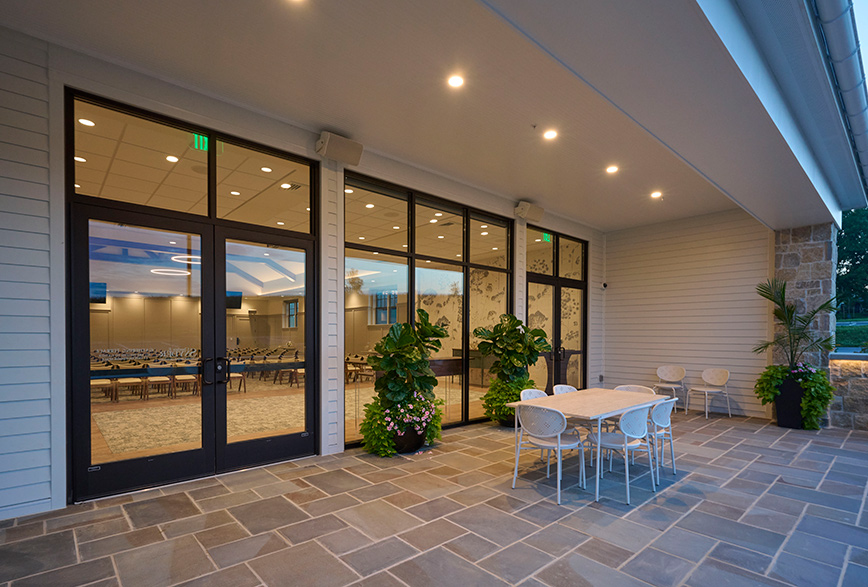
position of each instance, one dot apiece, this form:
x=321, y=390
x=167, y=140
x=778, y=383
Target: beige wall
x=684, y=293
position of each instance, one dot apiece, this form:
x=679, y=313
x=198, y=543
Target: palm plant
x=796, y=337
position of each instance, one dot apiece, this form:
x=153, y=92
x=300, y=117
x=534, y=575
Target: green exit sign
x=200, y=142
x=547, y=237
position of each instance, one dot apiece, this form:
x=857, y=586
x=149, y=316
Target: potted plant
x=801, y=392
x=515, y=348
x=404, y=413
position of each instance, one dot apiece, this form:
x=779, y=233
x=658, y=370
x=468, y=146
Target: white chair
x=563, y=388
x=636, y=389
x=661, y=418
x=633, y=435
x=527, y=394
x=715, y=384
x=670, y=380
x=546, y=429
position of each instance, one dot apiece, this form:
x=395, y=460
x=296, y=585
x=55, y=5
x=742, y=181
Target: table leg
x=599, y=452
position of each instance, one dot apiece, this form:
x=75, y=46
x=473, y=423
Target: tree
x=852, y=282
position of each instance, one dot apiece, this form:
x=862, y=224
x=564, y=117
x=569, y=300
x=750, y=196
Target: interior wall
x=683, y=293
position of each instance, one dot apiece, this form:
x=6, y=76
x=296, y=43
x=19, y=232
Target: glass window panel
x=263, y=189
x=440, y=292
x=266, y=389
x=488, y=300
x=572, y=328
x=375, y=219
x=145, y=336
x=130, y=159
x=489, y=244
x=439, y=231
x=540, y=252
x=370, y=278
x=571, y=257
x=540, y=310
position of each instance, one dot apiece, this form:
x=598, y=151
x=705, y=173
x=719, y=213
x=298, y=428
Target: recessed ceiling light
x=80, y=159
x=171, y=159
x=173, y=243
x=484, y=233
x=458, y=255
x=438, y=213
x=348, y=191
x=550, y=134
x=86, y=122
x=427, y=261
x=78, y=186
x=433, y=220
x=280, y=223
x=405, y=246
x=612, y=169
x=484, y=226
x=538, y=240
x=656, y=194
x=235, y=193
x=376, y=253
x=397, y=227
x=456, y=81
x=493, y=248
x=286, y=186
x=394, y=270
x=361, y=238
x=178, y=272
x=308, y=209
x=266, y=255
x=441, y=236
x=266, y=169
x=369, y=205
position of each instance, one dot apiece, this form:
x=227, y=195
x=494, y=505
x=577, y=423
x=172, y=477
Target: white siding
x=25, y=357
x=684, y=293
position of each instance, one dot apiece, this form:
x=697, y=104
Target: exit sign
x=547, y=237
x=200, y=142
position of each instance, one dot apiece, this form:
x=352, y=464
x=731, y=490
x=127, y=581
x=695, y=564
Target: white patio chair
x=546, y=429
x=527, y=394
x=563, y=388
x=633, y=435
x=670, y=380
x=636, y=389
x=661, y=419
x=715, y=384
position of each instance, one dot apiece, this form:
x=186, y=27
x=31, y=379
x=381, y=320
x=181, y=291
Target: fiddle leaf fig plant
x=515, y=348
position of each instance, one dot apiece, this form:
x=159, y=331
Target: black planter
x=509, y=421
x=410, y=441
x=788, y=404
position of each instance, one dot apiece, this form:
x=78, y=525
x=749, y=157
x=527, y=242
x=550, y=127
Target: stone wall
x=849, y=375
x=806, y=257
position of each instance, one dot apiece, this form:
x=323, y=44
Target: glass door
x=140, y=292
x=264, y=349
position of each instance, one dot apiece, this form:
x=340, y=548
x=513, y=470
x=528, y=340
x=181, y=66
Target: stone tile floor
x=751, y=504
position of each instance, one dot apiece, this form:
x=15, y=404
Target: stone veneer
x=806, y=257
x=849, y=375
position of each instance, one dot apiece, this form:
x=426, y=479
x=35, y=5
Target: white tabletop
x=594, y=403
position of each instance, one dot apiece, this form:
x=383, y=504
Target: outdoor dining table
x=592, y=404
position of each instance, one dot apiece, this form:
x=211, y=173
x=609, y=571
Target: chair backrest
x=634, y=424
x=532, y=393
x=541, y=421
x=716, y=377
x=563, y=388
x=635, y=388
x=671, y=373
x=661, y=414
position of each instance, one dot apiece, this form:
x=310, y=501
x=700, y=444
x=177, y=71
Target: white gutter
x=837, y=28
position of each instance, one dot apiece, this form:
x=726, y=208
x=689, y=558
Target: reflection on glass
x=440, y=292
x=263, y=189
x=145, y=379
x=265, y=326
x=572, y=319
x=488, y=242
x=439, y=231
x=375, y=297
x=540, y=252
x=540, y=305
x=571, y=258
x=129, y=159
x=375, y=219
x=487, y=302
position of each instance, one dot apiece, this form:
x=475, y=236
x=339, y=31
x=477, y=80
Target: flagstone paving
x=751, y=504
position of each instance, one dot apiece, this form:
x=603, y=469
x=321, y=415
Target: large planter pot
x=788, y=404
x=509, y=421
x=410, y=441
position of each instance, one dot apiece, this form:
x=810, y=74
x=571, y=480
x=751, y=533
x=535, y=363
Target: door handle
x=562, y=353
x=205, y=380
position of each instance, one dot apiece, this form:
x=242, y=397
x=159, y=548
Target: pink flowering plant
x=404, y=402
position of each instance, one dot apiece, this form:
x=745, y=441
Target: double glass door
x=559, y=310
x=191, y=349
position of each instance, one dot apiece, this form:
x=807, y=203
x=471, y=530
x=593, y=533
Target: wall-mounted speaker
x=528, y=211
x=339, y=148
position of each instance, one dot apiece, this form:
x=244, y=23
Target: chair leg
x=627, y=472
x=729, y=411
x=651, y=466
x=686, y=401
x=559, y=474
x=672, y=452
x=517, y=452
x=706, y=405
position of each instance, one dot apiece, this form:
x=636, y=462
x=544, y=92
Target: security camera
x=605, y=285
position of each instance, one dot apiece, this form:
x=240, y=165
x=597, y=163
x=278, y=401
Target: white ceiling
x=643, y=85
